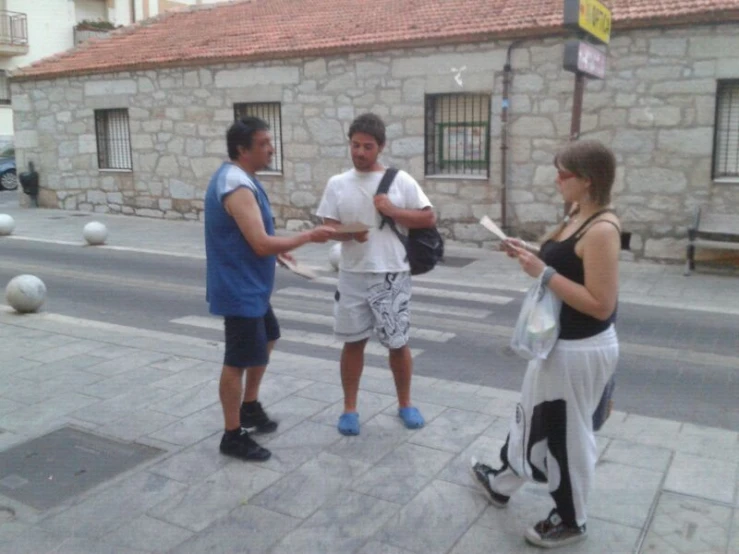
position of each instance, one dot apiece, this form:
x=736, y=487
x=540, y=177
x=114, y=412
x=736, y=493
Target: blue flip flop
x=411, y=417
x=349, y=424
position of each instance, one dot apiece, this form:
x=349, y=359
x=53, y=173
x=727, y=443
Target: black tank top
x=562, y=257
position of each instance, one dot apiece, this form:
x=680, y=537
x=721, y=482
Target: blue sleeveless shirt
x=239, y=282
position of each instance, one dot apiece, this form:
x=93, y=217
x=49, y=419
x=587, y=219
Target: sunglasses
x=564, y=175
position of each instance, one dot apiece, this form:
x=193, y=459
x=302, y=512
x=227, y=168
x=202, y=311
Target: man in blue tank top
x=241, y=252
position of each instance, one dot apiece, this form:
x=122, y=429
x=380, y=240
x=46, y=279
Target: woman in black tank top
x=551, y=438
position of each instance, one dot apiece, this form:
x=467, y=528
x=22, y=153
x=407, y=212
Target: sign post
x=591, y=19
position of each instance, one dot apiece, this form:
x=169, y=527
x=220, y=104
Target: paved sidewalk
x=644, y=283
x=661, y=486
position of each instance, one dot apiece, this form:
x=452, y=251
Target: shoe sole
x=532, y=537
x=248, y=458
x=481, y=488
x=257, y=431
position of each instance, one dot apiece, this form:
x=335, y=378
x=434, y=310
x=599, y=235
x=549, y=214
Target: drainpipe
x=507, y=76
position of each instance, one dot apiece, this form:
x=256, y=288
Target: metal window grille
x=4, y=88
x=269, y=112
x=457, y=134
x=726, y=139
x=113, y=139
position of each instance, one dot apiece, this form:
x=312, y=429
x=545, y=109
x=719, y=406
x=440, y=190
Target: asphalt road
x=149, y=291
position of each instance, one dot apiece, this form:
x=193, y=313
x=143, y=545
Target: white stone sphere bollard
x=7, y=225
x=334, y=255
x=25, y=293
x=95, y=233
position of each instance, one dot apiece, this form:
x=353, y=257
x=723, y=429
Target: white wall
x=93, y=10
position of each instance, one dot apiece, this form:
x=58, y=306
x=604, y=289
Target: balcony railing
x=13, y=29
x=81, y=35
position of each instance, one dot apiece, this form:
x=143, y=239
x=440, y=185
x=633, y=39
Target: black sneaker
x=481, y=475
x=552, y=532
x=256, y=420
x=244, y=448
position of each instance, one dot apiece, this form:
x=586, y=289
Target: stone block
x=664, y=248
x=536, y=213
x=709, y=46
x=315, y=69
x=664, y=116
x=443, y=64
x=371, y=68
x=406, y=147
x=454, y=211
x=531, y=126
x=693, y=86
x=303, y=199
x=668, y=47
x=180, y=190
x=326, y=131
x=634, y=141
x=250, y=76
x=110, y=87
x=26, y=139
x=696, y=142
x=655, y=179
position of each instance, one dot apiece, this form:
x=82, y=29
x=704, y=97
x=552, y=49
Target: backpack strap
x=383, y=188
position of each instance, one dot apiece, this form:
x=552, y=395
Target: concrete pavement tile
x=437, y=395
x=453, y=430
x=375, y=547
x=637, y=455
x=139, y=423
x=369, y=404
x=187, y=379
x=247, y=530
x=322, y=391
x=7, y=406
x=378, y=437
x=293, y=410
x=63, y=379
x=456, y=387
x=380, y=385
x=194, y=464
x=109, y=387
x=15, y=365
x=623, y=494
x=131, y=399
x=149, y=534
x=341, y=525
x=702, y=477
x=112, y=351
x=72, y=348
x=303, y=491
x=26, y=392
x=200, y=505
x=176, y=363
x=492, y=392
x=126, y=363
x=400, y=475
x=499, y=428
x=485, y=449
x=9, y=531
x=683, y=525
x=500, y=407
x=708, y=442
x=484, y=540
x=83, y=545
x=193, y=428
x=118, y=504
x=303, y=442
x=435, y=519
x=734, y=537
x=644, y=430
x=50, y=412
x=276, y=387
x=189, y=401
x=33, y=540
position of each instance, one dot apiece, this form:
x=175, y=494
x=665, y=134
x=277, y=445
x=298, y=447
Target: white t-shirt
x=348, y=198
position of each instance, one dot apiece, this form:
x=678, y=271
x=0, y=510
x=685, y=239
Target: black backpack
x=423, y=247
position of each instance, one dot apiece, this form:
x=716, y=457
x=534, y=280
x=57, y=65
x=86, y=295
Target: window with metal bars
x=269, y=112
x=457, y=134
x=4, y=88
x=726, y=138
x=113, y=139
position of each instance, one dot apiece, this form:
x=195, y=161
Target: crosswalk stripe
x=454, y=311
x=289, y=335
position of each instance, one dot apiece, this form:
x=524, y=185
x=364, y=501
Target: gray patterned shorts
x=373, y=302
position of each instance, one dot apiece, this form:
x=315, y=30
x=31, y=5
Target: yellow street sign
x=590, y=16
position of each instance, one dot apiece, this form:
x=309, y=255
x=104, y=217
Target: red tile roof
x=270, y=29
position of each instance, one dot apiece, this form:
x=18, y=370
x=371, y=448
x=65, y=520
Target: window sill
x=457, y=177
x=106, y=170
x=270, y=173
x=726, y=181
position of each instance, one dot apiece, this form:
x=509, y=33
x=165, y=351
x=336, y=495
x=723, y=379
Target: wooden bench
x=711, y=230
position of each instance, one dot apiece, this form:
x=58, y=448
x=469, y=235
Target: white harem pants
x=551, y=436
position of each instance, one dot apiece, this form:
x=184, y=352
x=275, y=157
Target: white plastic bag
x=537, y=327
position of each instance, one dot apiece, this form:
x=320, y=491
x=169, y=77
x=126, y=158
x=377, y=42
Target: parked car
x=8, y=177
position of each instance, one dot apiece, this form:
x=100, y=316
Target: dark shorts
x=247, y=339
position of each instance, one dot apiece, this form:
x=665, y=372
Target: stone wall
x=655, y=109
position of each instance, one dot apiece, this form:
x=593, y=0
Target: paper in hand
x=297, y=269
x=493, y=228
x=352, y=228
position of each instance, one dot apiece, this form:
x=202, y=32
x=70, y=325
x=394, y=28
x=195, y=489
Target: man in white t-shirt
x=374, y=288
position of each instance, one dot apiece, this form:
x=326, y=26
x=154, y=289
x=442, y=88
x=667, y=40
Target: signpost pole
x=577, y=105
